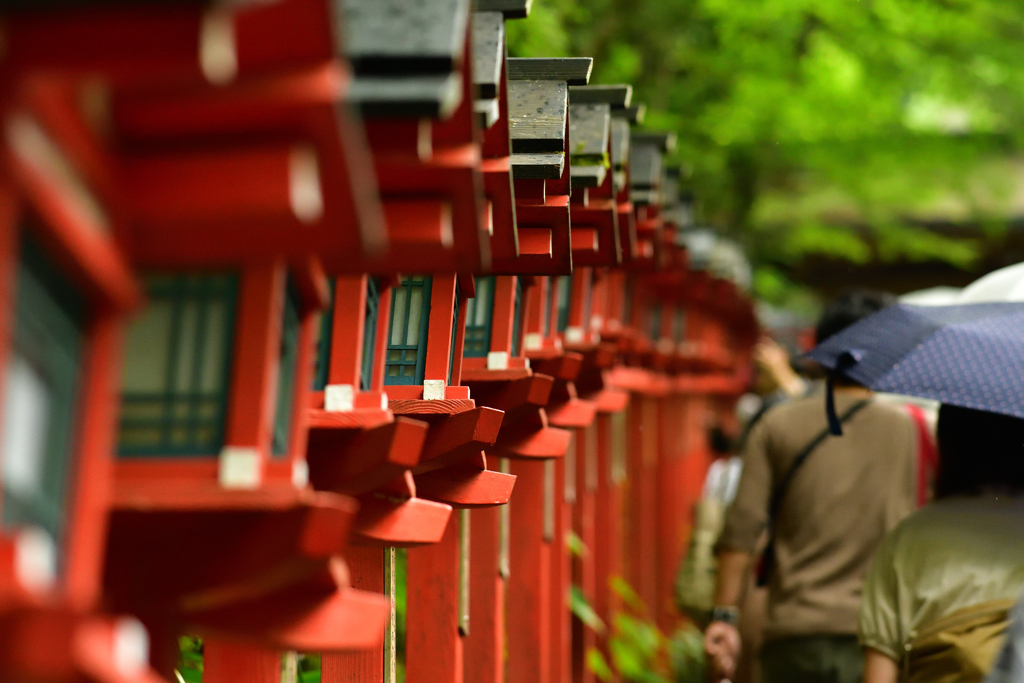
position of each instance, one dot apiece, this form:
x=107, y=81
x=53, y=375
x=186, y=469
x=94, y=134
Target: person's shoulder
x=938, y=514
x=798, y=408
x=895, y=411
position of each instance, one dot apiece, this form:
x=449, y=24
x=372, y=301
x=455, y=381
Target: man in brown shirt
x=841, y=501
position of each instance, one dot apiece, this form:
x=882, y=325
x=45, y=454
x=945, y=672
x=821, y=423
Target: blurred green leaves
x=824, y=128
x=638, y=651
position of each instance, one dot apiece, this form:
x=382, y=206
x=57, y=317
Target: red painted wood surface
x=234, y=663
x=484, y=653
x=457, y=437
x=583, y=523
x=609, y=509
x=357, y=461
x=642, y=471
x=466, y=486
x=529, y=585
x=561, y=570
x=366, y=572
x=402, y=522
x=434, y=648
x=254, y=361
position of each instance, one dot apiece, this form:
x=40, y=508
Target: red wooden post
x=366, y=570
x=529, y=586
x=609, y=543
x=433, y=644
x=240, y=663
x=484, y=659
x=584, y=523
x=561, y=567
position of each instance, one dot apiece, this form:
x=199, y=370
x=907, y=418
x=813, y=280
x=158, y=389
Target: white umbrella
x=1005, y=284
x=933, y=296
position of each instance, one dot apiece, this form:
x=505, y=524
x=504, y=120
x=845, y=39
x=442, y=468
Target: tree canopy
x=837, y=128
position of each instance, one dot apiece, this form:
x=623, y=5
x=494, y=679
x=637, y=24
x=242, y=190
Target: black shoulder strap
x=780, y=491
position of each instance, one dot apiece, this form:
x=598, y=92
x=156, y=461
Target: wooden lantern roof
x=634, y=114
x=589, y=136
x=538, y=113
x=488, y=62
x=665, y=142
x=644, y=172
x=511, y=9
x=406, y=55
x=571, y=70
x=618, y=97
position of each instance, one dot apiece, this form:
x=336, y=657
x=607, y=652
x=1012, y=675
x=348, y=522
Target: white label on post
x=383, y=401
x=300, y=474
x=131, y=646
x=304, y=184
x=35, y=559
x=533, y=341
x=497, y=360
x=433, y=389
x=218, y=56
x=574, y=334
x=240, y=467
x=339, y=398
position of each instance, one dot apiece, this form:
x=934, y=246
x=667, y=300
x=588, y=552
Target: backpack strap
x=767, y=564
x=780, y=492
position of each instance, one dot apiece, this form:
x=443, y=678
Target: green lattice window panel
x=41, y=392
x=549, y=306
x=287, y=368
x=455, y=332
x=323, y=344
x=656, y=321
x=479, y=316
x=517, y=317
x=562, y=291
x=177, y=367
x=627, y=305
x=407, y=334
x=679, y=325
x=370, y=318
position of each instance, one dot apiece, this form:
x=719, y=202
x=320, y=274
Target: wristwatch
x=727, y=614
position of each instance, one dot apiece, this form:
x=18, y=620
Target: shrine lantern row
x=325, y=326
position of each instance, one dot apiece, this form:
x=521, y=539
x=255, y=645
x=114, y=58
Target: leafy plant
x=190, y=660
x=640, y=653
x=309, y=668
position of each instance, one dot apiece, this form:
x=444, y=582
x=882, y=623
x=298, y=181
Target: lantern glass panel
x=41, y=385
x=479, y=313
x=287, y=367
x=407, y=339
x=177, y=367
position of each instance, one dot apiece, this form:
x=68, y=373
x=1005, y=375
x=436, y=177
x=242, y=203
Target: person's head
x=979, y=451
x=848, y=308
x=845, y=310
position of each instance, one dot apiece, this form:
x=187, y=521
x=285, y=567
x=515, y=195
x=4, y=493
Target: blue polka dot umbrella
x=969, y=355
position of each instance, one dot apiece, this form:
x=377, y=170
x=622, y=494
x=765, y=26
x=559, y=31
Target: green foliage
x=580, y=607
x=824, y=127
x=598, y=664
x=401, y=608
x=190, y=660
x=686, y=652
x=309, y=668
x=641, y=653
x=575, y=544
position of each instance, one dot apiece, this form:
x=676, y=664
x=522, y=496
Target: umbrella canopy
x=1005, y=284
x=965, y=355
x=933, y=296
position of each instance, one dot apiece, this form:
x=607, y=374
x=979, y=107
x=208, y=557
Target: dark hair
x=848, y=308
x=979, y=450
